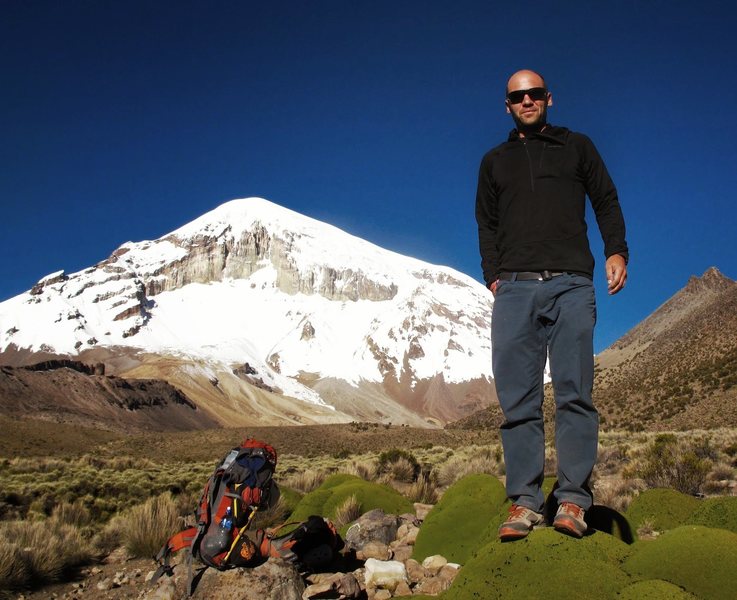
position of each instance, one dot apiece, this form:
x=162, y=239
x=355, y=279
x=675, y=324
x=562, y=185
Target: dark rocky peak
x=713, y=280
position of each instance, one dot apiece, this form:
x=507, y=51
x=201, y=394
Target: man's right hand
x=492, y=287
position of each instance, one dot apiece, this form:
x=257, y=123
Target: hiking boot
x=519, y=523
x=569, y=519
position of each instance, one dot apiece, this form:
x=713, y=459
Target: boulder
x=386, y=574
x=373, y=526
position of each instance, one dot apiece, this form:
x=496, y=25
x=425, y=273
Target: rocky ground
x=376, y=564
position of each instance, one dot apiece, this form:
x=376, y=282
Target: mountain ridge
x=300, y=301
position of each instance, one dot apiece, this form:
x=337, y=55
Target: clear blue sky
x=122, y=120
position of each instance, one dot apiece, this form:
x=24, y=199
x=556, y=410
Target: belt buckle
x=546, y=275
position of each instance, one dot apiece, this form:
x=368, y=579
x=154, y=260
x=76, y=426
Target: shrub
x=148, y=525
x=423, y=490
x=668, y=465
x=402, y=470
x=34, y=553
x=398, y=463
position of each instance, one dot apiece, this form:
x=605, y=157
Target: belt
x=529, y=276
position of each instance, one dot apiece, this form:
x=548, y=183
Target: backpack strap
x=177, y=542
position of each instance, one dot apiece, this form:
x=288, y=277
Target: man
x=537, y=262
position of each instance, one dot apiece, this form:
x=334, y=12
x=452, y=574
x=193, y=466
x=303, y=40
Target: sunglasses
x=536, y=94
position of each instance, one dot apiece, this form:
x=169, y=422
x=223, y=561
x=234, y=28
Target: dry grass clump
x=347, y=512
x=368, y=470
x=274, y=515
x=471, y=460
x=74, y=513
x=617, y=493
x=146, y=527
x=720, y=479
x=398, y=465
x=402, y=470
x=35, y=552
x=305, y=481
x=423, y=490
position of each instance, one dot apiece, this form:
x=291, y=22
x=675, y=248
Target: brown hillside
x=66, y=391
x=678, y=368
x=675, y=370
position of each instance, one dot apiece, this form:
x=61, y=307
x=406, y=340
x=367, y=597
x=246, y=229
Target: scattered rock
x=432, y=586
x=105, y=585
x=421, y=510
x=415, y=571
x=375, y=550
x=340, y=585
x=386, y=574
x=402, y=553
x=373, y=526
x=434, y=563
x=403, y=589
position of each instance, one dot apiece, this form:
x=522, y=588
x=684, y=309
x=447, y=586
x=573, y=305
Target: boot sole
x=568, y=527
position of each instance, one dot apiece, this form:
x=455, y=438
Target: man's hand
x=492, y=287
x=616, y=273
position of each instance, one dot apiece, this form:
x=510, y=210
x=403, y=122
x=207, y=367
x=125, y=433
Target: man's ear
x=550, y=99
x=506, y=103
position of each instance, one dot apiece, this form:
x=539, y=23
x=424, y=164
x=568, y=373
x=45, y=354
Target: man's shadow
x=598, y=518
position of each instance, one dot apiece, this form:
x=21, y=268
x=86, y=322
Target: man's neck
x=524, y=132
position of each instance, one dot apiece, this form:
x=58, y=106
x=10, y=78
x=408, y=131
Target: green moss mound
x=718, y=513
x=662, y=508
x=290, y=498
x=456, y=524
x=545, y=562
x=336, y=489
x=654, y=589
x=699, y=559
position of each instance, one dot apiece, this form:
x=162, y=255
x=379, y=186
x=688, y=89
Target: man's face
x=528, y=112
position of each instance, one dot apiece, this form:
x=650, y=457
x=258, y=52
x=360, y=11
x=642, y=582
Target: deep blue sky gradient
x=124, y=120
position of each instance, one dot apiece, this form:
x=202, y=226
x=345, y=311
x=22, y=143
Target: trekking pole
x=241, y=531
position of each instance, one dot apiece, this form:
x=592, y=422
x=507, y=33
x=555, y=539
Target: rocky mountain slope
x=73, y=392
x=678, y=368
x=675, y=370
x=262, y=315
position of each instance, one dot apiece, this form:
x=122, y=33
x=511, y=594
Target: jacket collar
x=551, y=133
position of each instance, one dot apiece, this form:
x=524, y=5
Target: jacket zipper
x=529, y=164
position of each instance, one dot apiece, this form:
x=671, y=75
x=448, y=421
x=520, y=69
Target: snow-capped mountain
x=285, y=303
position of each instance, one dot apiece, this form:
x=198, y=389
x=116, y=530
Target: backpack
x=240, y=485
x=311, y=546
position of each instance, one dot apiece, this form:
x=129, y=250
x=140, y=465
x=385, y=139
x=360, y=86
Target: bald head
x=524, y=80
x=529, y=105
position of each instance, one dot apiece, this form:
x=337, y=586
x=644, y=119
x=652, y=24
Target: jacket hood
x=551, y=133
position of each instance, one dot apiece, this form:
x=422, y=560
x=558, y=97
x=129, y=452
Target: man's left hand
x=616, y=273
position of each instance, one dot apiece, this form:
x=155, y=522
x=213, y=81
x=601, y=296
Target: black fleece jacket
x=530, y=204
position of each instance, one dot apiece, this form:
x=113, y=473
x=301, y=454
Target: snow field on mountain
x=432, y=320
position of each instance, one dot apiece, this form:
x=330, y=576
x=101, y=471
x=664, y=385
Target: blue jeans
x=530, y=320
